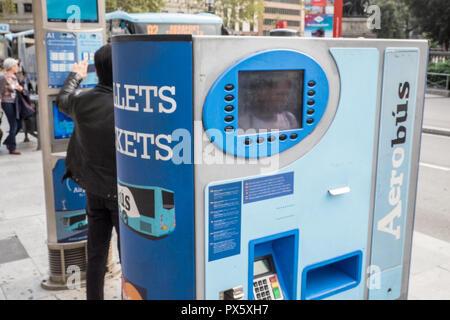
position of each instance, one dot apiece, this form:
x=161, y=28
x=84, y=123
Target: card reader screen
x=72, y=10
x=63, y=125
x=270, y=100
x=261, y=267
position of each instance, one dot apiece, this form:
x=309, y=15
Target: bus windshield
x=68, y=221
x=168, y=200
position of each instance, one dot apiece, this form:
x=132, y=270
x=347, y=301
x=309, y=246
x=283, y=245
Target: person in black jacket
x=91, y=160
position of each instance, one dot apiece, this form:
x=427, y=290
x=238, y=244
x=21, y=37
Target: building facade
x=21, y=19
x=291, y=11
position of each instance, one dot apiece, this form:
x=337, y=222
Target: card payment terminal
x=266, y=285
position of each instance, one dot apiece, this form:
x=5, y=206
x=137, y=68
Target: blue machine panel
x=329, y=227
x=153, y=115
x=398, y=111
x=266, y=103
x=68, y=195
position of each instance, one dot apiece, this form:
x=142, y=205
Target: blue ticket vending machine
x=292, y=164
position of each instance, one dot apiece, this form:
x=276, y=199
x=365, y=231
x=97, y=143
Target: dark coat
x=91, y=155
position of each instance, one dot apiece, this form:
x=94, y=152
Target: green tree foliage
x=8, y=7
x=396, y=19
x=134, y=6
x=433, y=17
x=235, y=12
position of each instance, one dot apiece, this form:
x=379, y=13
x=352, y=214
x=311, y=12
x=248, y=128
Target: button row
x=260, y=140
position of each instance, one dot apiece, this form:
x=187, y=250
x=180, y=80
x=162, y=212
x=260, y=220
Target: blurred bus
x=119, y=23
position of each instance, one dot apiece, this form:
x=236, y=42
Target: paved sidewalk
x=23, y=227
x=23, y=230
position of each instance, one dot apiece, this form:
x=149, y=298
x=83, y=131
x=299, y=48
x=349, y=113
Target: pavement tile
x=41, y=263
x=11, y=249
x=20, y=280
x=433, y=284
x=16, y=270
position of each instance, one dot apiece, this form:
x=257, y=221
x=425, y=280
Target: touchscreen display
x=72, y=10
x=63, y=125
x=270, y=100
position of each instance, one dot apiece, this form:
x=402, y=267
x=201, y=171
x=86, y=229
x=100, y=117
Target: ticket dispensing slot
x=332, y=276
x=273, y=264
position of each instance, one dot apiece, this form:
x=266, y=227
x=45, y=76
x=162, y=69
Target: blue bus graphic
x=75, y=221
x=149, y=211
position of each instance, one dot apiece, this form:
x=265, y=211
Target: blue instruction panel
x=268, y=187
x=87, y=44
x=61, y=55
x=66, y=48
x=224, y=204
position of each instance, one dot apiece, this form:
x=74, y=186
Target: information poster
x=66, y=48
x=224, y=220
x=61, y=55
x=319, y=18
x=87, y=44
x=319, y=25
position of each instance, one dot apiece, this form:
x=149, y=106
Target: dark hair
x=103, y=65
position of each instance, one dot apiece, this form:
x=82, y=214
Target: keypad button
x=311, y=93
x=229, y=87
x=229, y=118
x=310, y=121
x=273, y=279
x=258, y=296
x=256, y=290
x=310, y=111
x=311, y=102
x=283, y=137
x=259, y=282
x=229, y=98
x=311, y=83
x=264, y=281
x=294, y=136
x=277, y=293
x=229, y=108
x=230, y=129
x=266, y=287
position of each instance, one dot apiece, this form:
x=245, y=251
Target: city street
x=433, y=200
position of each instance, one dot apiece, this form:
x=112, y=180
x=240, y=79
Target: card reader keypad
x=267, y=288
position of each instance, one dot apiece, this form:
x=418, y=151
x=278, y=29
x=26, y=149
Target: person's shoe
x=15, y=152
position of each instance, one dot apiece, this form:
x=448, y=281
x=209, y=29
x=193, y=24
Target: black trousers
x=102, y=215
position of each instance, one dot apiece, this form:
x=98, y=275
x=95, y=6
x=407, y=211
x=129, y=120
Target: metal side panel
x=395, y=163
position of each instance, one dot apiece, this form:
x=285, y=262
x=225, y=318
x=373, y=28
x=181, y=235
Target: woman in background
x=8, y=87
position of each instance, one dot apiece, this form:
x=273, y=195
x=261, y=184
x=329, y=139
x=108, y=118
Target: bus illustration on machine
x=75, y=221
x=148, y=211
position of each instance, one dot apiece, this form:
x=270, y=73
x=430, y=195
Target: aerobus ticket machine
x=290, y=166
x=66, y=32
